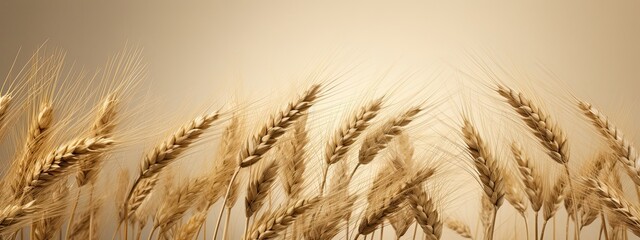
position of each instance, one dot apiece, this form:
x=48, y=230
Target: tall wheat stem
x=153, y=230
x=224, y=202
x=544, y=227
x=73, y=211
x=493, y=224
x=575, y=209
x=536, y=225
x=526, y=226
x=415, y=231
x=604, y=226
x=226, y=225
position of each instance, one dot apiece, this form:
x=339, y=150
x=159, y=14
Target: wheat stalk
x=225, y=161
x=549, y=135
x=83, y=228
x=268, y=136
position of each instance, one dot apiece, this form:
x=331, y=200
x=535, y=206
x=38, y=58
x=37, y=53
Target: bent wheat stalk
x=489, y=173
x=550, y=136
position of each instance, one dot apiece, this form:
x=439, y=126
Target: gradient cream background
x=199, y=49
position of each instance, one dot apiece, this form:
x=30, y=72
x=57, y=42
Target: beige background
x=198, y=50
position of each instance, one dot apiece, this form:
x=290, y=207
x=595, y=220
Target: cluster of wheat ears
x=48, y=189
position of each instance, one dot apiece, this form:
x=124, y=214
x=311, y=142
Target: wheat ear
x=38, y=131
x=327, y=224
x=378, y=140
x=14, y=216
x=487, y=167
x=293, y=166
x=550, y=136
x=459, y=227
x=514, y=196
x=345, y=137
x=270, y=226
x=188, y=230
x=625, y=151
x=552, y=202
x=5, y=103
x=177, y=202
x=401, y=221
x=102, y=127
x=259, y=188
x=374, y=216
x=225, y=162
x=274, y=129
x=268, y=136
x=57, y=164
x=529, y=177
x=426, y=213
x=620, y=207
x=161, y=156
x=554, y=198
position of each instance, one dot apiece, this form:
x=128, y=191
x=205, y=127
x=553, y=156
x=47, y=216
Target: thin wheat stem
x=224, y=202
x=604, y=226
x=73, y=211
x=536, y=225
x=226, y=225
x=526, y=226
x=544, y=227
x=153, y=230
